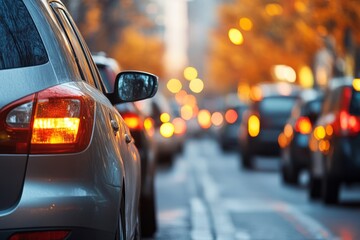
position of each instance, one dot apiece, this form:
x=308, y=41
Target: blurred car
x=229, y=132
x=269, y=108
x=68, y=167
x=169, y=130
x=135, y=120
x=335, y=141
x=294, y=140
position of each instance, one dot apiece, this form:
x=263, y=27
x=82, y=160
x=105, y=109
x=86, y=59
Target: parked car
x=135, y=120
x=167, y=142
x=269, y=108
x=68, y=166
x=335, y=141
x=294, y=139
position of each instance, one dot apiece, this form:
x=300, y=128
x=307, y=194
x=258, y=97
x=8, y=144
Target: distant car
x=269, y=108
x=294, y=139
x=68, y=166
x=335, y=141
x=135, y=120
x=228, y=136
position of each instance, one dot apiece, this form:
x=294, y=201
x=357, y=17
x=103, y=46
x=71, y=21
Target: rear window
x=277, y=105
x=21, y=45
x=355, y=103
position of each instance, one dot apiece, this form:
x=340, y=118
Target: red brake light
x=231, y=116
x=47, y=235
x=133, y=121
x=303, y=125
x=349, y=124
x=58, y=119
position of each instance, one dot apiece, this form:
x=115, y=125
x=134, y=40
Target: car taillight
x=253, y=125
x=303, y=125
x=231, y=116
x=349, y=124
x=133, y=121
x=44, y=235
x=58, y=119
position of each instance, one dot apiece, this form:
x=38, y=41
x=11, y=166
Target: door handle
x=115, y=126
x=128, y=138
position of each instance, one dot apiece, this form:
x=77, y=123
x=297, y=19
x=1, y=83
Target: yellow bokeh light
x=167, y=130
x=196, y=85
x=243, y=91
x=319, y=132
x=256, y=93
x=204, y=119
x=174, y=85
x=186, y=112
x=300, y=6
x=253, y=126
x=235, y=36
x=306, y=77
x=356, y=84
x=190, y=73
x=274, y=9
x=245, y=24
x=165, y=117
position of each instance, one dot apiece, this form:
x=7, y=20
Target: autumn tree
x=116, y=27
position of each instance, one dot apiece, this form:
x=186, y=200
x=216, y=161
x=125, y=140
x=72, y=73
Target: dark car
x=269, y=109
x=335, y=141
x=135, y=120
x=68, y=167
x=228, y=136
x=294, y=139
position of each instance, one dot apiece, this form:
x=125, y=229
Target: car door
x=129, y=160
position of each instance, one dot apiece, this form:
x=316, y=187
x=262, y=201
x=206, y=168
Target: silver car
x=69, y=168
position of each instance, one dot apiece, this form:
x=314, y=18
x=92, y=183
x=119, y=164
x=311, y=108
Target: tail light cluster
x=346, y=124
x=45, y=235
x=303, y=125
x=133, y=121
x=56, y=120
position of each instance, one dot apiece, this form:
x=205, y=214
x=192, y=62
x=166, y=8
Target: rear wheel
x=314, y=188
x=120, y=231
x=246, y=159
x=148, y=215
x=330, y=190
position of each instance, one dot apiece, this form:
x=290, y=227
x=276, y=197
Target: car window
x=355, y=103
x=313, y=107
x=21, y=45
x=277, y=105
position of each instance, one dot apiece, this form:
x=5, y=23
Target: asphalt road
x=206, y=195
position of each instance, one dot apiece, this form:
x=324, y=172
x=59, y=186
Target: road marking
x=301, y=222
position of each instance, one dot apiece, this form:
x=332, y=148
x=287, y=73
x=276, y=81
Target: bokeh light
x=204, y=118
x=306, y=78
x=165, y=117
x=179, y=125
x=245, y=24
x=217, y=119
x=174, y=85
x=190, y=73
x=167, y=130
x=235, y=36
x=196, y=85
x=231, y=116
x=186, y=112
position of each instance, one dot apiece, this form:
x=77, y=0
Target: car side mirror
x=134, y=85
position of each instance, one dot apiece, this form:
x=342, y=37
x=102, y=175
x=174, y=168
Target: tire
x=314, y=189
x=246, y=159
x=121, y=227
x=330, y=190
x=292, y=175
x=148, y=215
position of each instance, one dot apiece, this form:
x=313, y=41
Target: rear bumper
x=84, y=210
